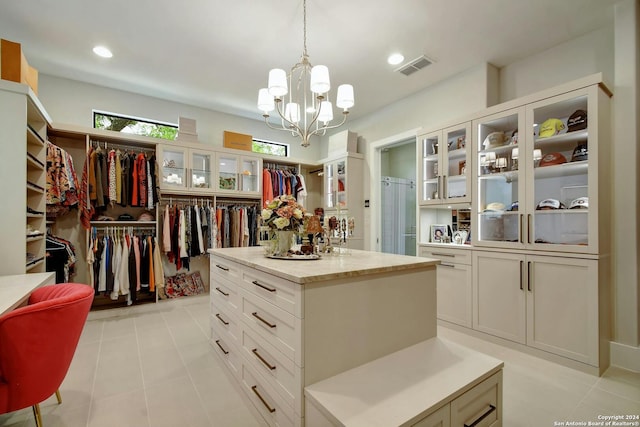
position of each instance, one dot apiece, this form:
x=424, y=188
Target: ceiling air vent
x=417, y=64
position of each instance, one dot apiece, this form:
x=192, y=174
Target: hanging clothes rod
x=115, y=145
x=276, y=166
x=223, y=202
x=197, y=200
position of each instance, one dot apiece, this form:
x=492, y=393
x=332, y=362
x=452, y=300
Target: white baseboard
x=625, y=356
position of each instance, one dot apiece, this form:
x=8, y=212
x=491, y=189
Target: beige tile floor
x=152, y=366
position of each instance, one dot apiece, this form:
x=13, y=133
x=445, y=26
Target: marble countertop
x=329, y=267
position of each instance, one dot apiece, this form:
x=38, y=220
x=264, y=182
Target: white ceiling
x=217, y=54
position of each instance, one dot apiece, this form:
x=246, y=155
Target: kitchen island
x=281, y=325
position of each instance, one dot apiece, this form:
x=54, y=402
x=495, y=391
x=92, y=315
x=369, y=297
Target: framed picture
x=438, y=231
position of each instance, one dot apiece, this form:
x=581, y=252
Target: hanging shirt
x=115, y=267
x=112, y=176
x=123, y=270
x=166, y=231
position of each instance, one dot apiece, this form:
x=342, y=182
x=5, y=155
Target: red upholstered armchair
x=37, y=343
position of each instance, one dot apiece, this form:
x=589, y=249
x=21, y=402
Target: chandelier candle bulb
x=326, y=112
x=292, y=112
x=345, y=98
x=320, y=79
x=278, y=82
x=265, y=101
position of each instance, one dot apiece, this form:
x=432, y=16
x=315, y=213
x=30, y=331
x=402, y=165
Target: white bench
x=433, y=383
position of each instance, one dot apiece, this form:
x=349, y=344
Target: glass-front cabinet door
x=429, y=145
x=456, y=176
x=336, y=184
x=173, y=167
x=560, y=176
x=250, y=175
x=499, y=184
x=227, y=172
x=239, y=173
x=445, y=176
x=201, y=163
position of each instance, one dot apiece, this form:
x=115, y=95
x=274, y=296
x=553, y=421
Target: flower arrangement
x=283, y=214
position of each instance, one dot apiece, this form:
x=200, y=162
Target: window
x=268, y=147
x=134, y=125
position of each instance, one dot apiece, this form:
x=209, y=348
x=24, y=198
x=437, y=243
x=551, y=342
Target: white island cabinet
x=281, y=325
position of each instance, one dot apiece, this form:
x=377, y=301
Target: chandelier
x=304, y=92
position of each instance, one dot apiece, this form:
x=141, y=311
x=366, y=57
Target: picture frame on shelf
x=438, y=232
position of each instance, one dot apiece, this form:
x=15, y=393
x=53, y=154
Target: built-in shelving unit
x=24, y=124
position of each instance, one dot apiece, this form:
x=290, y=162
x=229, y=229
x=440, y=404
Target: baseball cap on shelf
x=577, y=121
x=580, y=153
x=146, y=216
x=550, y=127
x=495, y=139
x=494, y=207
x=514, y=206
x=579, y=203
x=552, y=159
x=550, y=204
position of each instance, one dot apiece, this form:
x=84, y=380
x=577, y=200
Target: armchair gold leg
x=58, y=397
x=36, y=415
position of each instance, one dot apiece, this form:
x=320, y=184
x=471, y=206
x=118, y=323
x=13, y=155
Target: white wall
x=72, y=102
x=456, y=96
x=591, y=53
x=626, y=185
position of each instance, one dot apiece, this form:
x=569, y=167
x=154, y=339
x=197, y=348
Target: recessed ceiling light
x=102, y=51
x=395, y=58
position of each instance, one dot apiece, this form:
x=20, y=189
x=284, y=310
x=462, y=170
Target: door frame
x=372, y=242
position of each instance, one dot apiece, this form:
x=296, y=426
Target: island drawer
x=268, y=402
x=228, y=352
x=280, y=329
x=448, y=255
x=226, y=323
x=481, y=406
x=219, y=267
x=224, y=292
x=280, y=371
x=281, y=293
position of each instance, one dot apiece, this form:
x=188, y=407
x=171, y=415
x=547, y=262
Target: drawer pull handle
x=222, y=292
x=222, y=267
x=442, y=264
x=221, y=319
x=482, y=417
x=255, y=351
x=264, y=402
x=441, y=254
x=255, y=314
x=221, y=348
x=255, y=282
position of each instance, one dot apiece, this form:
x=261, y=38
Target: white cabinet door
x=562, y=307
x=238, y=174
x=499, y=180
x=445, y=176
x=173, y=165
x=454, y=293
x=201, y=171
x=499, y=295
x=562, y=186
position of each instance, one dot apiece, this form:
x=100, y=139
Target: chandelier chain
x=304, y=26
